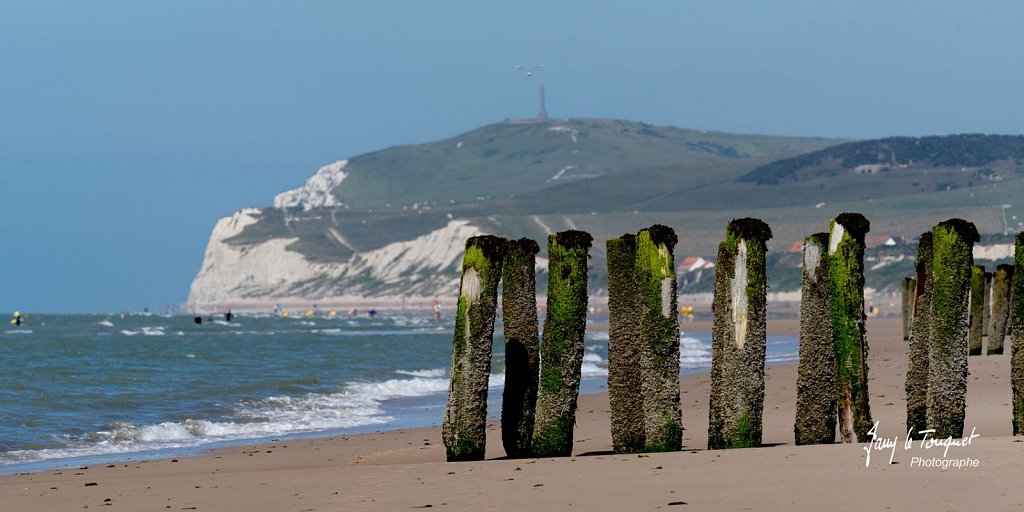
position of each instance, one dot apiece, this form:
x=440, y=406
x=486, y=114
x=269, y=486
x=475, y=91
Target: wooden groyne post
x=1017, y=336
x=907, y=303
x=977, y=310
x=659, y=335
x=816, y=374
x=920, y=341
x=846, y=273
x=562, y=344
x=522, y=349
x=624, y=314
x=1002, y=282
x=738, y=337
x=952, y=267
x=464, y=429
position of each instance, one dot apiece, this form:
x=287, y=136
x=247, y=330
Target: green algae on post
x=1017, y=336
x=625, y=396
x=522, y=350
x=952, y=262
x=846, y=276
x=977, y=310
x=464, y=430
x=738, y=337
x=562, y=344
x=907, y=303
x=816, y=374
x=920, y=341
x=659, y=335
x=1002, y=281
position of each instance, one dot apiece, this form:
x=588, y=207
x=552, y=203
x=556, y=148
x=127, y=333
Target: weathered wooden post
x=522, y=350
x=920, y=341
x=1002, y=282
x=465, y=420
x=659, y=335
x=1017, y=336
x=977, y=310
x=846, y=273
x=816, y=377
x=986, y=322
x=562, y=345
x=738, y=336
x=624, y=344
x=908, y=292
x=952, y=262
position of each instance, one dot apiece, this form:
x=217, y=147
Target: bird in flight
x=529, y=72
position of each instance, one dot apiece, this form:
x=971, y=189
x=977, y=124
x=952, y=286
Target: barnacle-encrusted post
x=920, y=341
x=907, y=303
x=624, y=378
x=952, y=262
x=1017, y=336
x=738, y=336
x=465, y=420
x=659, y=334
x=562, y=345
x=1002, y=282
x=522, y=350
x=977, y=310
x=846, y=273
x=816, y=377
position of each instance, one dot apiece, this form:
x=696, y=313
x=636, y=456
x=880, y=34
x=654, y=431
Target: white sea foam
x=107, y=323
x=694, y=353
x=20, y=331
x=357, y=404
x=436, y=372
x=594, y=365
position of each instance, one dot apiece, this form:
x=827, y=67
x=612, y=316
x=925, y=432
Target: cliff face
x=425, y=266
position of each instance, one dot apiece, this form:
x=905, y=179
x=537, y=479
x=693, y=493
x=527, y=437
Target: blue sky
x=127, y=128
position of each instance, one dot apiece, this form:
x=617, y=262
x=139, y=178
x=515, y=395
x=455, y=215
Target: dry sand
x=405, y=469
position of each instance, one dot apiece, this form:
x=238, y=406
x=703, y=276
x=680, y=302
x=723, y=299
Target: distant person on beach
x=437, y=310
x=17, y=318
x=372, y=313
x=228, y=316
x=353, y=312
x=198, y=319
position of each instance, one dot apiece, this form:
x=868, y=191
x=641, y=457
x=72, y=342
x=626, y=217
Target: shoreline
x=591, y=385
x=364, y=471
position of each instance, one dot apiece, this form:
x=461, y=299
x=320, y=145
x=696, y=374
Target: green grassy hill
x=611, y=177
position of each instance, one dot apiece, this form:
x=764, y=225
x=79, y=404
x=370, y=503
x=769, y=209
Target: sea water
x=90, y=388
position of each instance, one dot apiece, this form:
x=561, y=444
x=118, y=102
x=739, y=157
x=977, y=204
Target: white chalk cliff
x=318, y=191
x=425, y=266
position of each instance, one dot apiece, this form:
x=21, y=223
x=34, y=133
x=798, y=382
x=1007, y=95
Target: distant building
x=693, y=263
x=872, y=242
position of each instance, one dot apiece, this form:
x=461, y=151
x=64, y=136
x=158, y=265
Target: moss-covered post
x=659, y=334
x=952, y=262
x=987, y=306
x=624, y=378
x=909, y=285
x=465, y=420
x=846, y=274
x=1017, y=336
x=738, y=336
x=1002, y=282
x=816, y=375
x=562, y=345
x=977, y=310
x=522, y=350
x=920, y=341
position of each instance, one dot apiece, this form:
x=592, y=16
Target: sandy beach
x=405, y=469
